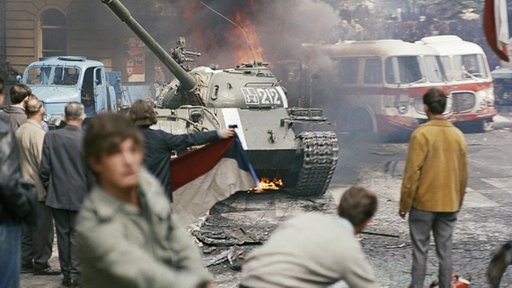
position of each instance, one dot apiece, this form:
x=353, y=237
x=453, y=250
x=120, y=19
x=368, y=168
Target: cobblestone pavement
x=242, y=222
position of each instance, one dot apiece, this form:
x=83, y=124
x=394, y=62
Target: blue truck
x=62, y=79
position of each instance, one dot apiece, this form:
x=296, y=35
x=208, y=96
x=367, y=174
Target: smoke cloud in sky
x=280, y=26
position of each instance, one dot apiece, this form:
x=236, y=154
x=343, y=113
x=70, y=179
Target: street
x=242, y=222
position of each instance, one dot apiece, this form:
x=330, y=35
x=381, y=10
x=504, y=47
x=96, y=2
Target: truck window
x=97, y=78
x=67, y=76
x=373, y=71
x=403, y=69
x=348, y=70
x=39, y=75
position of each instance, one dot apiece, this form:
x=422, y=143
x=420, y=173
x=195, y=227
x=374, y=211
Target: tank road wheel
x=320, y=157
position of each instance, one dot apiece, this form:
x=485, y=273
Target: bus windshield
x=464, y=67
x=434, y=69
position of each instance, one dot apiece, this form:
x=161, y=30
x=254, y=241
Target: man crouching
x=127, y=234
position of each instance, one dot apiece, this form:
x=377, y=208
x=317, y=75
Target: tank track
x=320, y=160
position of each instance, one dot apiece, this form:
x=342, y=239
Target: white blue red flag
x=496, y=27
x=202, y=177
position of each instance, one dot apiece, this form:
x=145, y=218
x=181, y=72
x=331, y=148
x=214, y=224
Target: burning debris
x=266, y=184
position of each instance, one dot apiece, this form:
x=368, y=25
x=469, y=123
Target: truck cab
x=62, y=79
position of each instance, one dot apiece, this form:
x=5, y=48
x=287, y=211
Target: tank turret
x=296, y=146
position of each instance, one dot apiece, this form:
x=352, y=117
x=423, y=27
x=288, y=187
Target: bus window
x=348, y=70
x=403, y=69
x=433, y=69
x=474, y=66
x=452, y=73
x=373, y=71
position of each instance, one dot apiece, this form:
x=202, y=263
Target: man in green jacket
x=433, y=187
x=127, y=235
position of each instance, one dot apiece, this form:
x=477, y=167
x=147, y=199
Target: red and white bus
x=469, y=81
x=377, y=86
x=366, y=86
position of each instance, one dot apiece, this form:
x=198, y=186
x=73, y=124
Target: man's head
x=142, y=113
x=435, y=101
x=114, y=149
x=358, y=205
x=34, y=108
x=74, y=113
x=19, y=93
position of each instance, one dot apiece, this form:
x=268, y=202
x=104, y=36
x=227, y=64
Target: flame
x=242, y=50
x=239, y=46
x=266, y=184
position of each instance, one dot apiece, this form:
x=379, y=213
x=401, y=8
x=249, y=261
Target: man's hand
x=402, y=214
x=227, y=133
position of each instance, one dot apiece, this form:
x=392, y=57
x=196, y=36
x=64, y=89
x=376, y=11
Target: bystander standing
x=64, y=175
x=37, y=240
x=15, y=113
x=15, y=205
x=433, y=187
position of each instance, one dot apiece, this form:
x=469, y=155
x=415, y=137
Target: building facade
x=32, y=29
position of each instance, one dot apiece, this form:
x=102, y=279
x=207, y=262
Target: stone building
x=31, y=29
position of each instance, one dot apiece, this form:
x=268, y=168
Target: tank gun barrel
x=187, y=81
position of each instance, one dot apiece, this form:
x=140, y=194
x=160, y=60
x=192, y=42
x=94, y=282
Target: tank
x=296, y=146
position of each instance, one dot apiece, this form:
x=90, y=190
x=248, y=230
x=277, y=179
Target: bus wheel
x=360, y=123
x=477, y=126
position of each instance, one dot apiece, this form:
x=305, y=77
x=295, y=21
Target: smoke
x=280, y=27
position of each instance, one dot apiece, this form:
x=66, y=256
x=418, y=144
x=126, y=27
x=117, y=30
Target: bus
x=469, y=79
x=372, y=87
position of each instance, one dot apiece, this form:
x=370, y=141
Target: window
x=67, y=76
x=53, y=30
x=348, y=70
x=373, y=71
x=39, y=75
x=403, y=69
x=473, y=66
x=434, y=69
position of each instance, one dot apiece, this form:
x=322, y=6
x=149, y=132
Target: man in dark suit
x=64, y=175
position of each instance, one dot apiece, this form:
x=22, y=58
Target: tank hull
x=300, y=154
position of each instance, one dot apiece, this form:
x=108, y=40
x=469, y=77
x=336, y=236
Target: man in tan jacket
x=37, y=241
x=433, y=187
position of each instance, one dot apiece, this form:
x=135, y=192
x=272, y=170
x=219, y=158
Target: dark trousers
x=441, y=224
x=37, y=241
x=67, y=242
x=10, y=251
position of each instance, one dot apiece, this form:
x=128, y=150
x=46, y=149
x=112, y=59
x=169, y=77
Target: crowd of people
x=106, y=192
x=361, y=22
